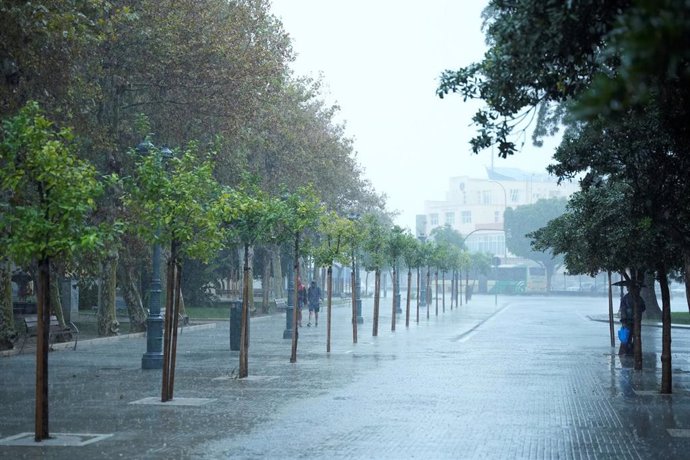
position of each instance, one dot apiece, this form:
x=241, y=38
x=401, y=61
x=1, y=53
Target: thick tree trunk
x=129, y=281
x=8, y=334
x=649, y=296
x=107, y=319
x=666, y=369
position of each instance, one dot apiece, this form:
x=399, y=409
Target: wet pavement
x=526, y=377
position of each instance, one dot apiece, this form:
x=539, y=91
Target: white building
x=474, y=207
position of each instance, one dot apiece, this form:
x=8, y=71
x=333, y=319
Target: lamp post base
x=287, y=333
x=152, y=361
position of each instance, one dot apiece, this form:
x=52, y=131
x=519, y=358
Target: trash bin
x=235, y=324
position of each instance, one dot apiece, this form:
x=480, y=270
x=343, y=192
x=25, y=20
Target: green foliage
x=334, y=231
x=177, y=199
x=521, y=221
x=47, y=193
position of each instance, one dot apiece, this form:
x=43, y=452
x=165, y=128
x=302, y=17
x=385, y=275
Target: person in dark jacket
x=627, y=318
x=314, y=299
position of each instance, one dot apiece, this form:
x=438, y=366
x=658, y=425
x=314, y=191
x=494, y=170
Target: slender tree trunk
x=107, y=318
x=168, y=325
x=395, y=290
x=610, y=291
x=42, y=331
x=436, y=291
x=295, y=334
x=666, y=368
x=265, y=281
x=409, y=294
x=244, y=326
x=443, y=290
x=418, y=293
x=637, y=324
x=377, y=300
x=177, y=298
x=7, y=332
x=353, y=279
x=277, y=274
x=686, y=277
x=428, y=292
x=329, y=306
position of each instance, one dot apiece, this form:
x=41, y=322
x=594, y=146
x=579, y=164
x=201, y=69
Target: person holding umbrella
x=626, y=313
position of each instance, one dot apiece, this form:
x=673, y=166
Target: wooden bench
x=55, y=330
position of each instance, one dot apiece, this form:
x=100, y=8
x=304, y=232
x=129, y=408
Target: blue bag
x=624, y=334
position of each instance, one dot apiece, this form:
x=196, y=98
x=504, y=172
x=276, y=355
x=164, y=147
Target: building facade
x=475, y=206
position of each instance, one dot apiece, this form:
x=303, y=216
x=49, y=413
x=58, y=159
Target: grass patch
x=680, y=317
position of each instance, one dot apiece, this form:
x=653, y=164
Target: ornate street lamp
x=153, y=358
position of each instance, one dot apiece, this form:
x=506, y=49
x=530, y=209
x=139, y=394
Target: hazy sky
x=380, y=61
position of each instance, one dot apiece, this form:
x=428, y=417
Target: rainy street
x=512, y=377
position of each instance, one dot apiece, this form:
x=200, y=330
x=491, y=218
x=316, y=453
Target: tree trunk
x=666, y=369
x=443, y=290
x=418, y=293
x=42, y=343
x=409, y=294
x=353, y=280
x=394, y=297
x=278, y=288
x=266, y=281
x=129, y=281
x=250, y=292
x=637, y=324
x=428, y=292
x=329, y=306
x=7, y=332
x=107, y=319
x=55, y=300
x=377, y=300
x=436, y=291
x=244, y=326
x=295, y=311
x=649, y=296
x=686, y=276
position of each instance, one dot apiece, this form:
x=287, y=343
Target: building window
x=450, y=218
x=486, y=197
x=466, y=217
x=514, y=195
x=434, y=219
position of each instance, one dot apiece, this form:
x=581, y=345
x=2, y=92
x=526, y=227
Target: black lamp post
x=153, y=358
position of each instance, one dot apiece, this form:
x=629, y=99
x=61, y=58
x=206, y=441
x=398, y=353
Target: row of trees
x=616, y=75
x=202, y=77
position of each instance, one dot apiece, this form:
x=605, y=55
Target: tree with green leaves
x=374, y=245
x=251, y=216
x=395, y=249
x=410, y=257
x=335, y=231
x=176, y=201
x=526, y=219
x=47, y=197
x=303, y=209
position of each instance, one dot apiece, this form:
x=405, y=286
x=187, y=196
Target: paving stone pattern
x=531, y=378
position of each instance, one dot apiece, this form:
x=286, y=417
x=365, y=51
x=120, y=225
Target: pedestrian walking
x=301, y=300
x=314, y=299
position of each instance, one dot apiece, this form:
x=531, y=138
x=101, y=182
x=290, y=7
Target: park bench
x=56, y=330
x=281, y=304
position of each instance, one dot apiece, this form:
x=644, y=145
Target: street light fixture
x=153, y=358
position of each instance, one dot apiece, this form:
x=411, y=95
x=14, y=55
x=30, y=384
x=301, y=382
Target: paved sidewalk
x=527, y=378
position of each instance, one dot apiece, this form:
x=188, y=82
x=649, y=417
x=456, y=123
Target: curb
x=100, y=340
